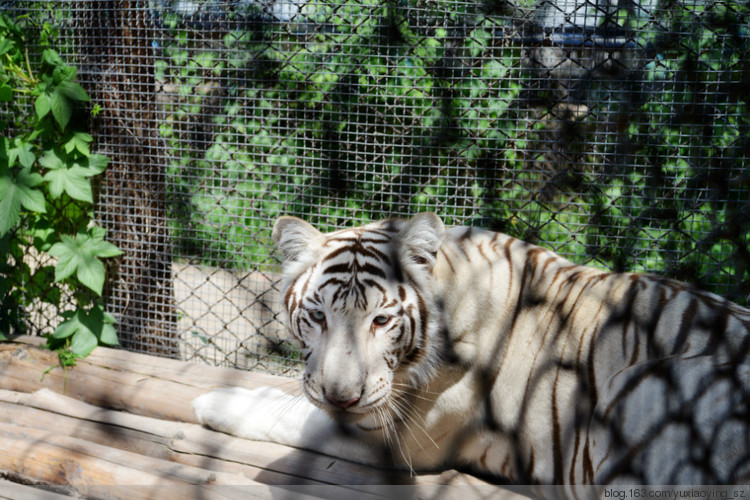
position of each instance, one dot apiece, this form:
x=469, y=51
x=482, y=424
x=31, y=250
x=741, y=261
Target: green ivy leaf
x=43, y=234
x=62, y=108
x=16, y=193
x=109, y=334
x=21, y=150
x=96, y=164
x=73, y=181
x=5, y=45
x=66, y=252
x=80, y=255
x=84, y=341
x=51, y=57
x=70, y=178
x=42, y=105
x=78, y=141
x=63, y=74
x=87, y=329
x=73, y=91
x=6, y=93
x=51, y=160
x=42, y=128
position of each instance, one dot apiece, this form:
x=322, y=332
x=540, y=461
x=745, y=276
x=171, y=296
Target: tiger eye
x=381, y=320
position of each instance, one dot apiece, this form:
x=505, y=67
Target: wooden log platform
x=119, y=425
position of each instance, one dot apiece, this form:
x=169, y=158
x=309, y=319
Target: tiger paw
x=260, y=414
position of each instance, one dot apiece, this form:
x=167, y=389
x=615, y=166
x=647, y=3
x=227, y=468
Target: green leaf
x=66, y=252
x=51, y=160
x=21, y=150
x=44, y=235
x=81, y=255
x=17, y=193
x=91, y=272
x=42, y=105
x=73, y=91
x=51, y=57
x=104, y=249
x=62, y=108
x=109, y=333
x=6, y=93
x=84, y=341
x=32, y=199
x=87, y=329
x=43, y=128
x=5, y=45
x=68, y=178
x=67, y=327
x=95, y=163
x=63, y=74
x=78, y=141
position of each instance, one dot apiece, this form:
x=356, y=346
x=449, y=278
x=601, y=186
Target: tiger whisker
x=391, y=426
x=417, y=393
x=405, y=408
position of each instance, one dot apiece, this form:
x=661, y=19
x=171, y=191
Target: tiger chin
x=465, y=348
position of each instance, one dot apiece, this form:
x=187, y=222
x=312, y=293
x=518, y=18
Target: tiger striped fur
x=465, y=347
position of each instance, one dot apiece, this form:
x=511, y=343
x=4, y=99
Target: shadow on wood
x=120, y=425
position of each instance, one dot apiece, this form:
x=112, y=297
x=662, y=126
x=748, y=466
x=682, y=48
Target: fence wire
x=615, y=132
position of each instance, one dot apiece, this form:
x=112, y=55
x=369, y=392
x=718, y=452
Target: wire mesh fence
x=615, y=132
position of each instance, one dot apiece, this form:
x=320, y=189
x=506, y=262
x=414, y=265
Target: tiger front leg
x=269, y=414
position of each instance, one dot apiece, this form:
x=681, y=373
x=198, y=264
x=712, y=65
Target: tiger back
x=465, y=347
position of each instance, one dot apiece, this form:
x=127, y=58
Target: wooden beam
x=14, y=491
x=23, y=369
x=52, y=458
x=157, y=421
x=114, y=378
x=90, y=470
x=187, y=444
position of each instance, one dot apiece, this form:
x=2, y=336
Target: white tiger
x=469, y=348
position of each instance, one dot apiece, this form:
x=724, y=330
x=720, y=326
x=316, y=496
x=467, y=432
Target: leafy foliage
x=637, y=160
x=46, y=196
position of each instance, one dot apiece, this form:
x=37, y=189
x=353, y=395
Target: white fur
x=532, y=368
x=270, y=414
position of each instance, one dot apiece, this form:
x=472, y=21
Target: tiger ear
x=420, y=239
x=296, y=239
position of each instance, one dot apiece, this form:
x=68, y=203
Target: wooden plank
x=97, y=472
x=114, y=378
x=52, y=458
x=14, y=491
x=203, y=492
x=189, y=444
x=55, y=404
x=116, y=430
x=22, y=368
x=152, y=437
x=107, y=381
x=195, y=375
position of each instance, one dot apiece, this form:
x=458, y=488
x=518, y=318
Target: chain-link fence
x=615, y=132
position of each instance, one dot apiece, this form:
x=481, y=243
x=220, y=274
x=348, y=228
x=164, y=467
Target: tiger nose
x=342, y=403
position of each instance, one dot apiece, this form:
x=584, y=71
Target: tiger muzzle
x=342, y=403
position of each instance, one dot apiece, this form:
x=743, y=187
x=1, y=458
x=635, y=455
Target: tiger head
x=361, y=304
